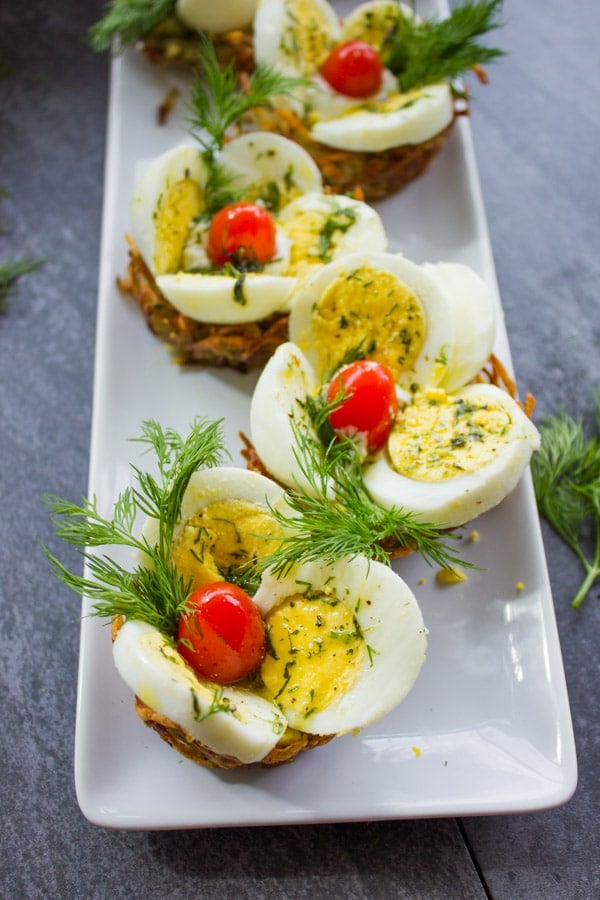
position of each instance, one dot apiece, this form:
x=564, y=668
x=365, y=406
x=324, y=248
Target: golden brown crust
x=240, y=347
x=171, y=43
x=378, y=174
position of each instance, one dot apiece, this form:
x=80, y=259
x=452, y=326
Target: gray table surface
x=537, y=137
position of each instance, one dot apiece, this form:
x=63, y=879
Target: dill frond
x=218, y=101
x=10, y=272
x=566, y=479
x=125, y=21
x=335, y=517
x=153, y=591
x=432, y=50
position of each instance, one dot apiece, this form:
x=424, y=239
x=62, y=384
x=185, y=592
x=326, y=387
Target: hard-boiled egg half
x=449, y=452
x=242, y=263
x=432, y=324
x=344, y=641
x=353, y=102
x=453, y=456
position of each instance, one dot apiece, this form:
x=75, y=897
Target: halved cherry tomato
x=370, y=404
x=354, y=69
x=242, y=232
x=222, y=634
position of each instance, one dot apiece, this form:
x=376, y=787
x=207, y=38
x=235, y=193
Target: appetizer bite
x=169, y=32
x=223, y=230
x=381, y=95
x=238, y=651
x=386, y=359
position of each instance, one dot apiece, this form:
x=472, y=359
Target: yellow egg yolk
x=373, y=311
x=173, y=220
x=374, y=26
x=315, y=653
x=306, y=38
x=439, y=436
x=315, y=237
x=217, y=542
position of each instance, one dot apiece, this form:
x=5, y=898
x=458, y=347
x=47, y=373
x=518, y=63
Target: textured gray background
x=536, y=130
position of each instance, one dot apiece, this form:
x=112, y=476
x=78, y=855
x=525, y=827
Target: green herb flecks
x=422, y=52
x=154, y=590
x=566, y=478
x=125, y=21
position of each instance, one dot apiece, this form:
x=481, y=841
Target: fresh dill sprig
x=127, y=20
x=566, y=478
x=11, y=271
x=334, y=517
x=154, y=591
x=218, y=100
x=422, y=52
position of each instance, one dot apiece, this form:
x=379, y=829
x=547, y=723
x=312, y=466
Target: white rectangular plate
x=487, y=727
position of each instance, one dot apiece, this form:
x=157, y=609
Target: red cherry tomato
x=241, y=232
x=370, y=405
x=354, y=69
x=222, y=634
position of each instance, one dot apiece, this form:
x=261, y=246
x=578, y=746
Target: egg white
x=369, y=130
x=389, y=619
x=226, y=15
x=430, y=366
x=475, y=311
x=265, y=158
x=161, y=678
x=453, y=501
x=373, y=21
x=277, y=413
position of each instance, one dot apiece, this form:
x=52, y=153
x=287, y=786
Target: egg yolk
x=173, y=219
x=315, y=236
x=373, y=311
x=315, y=653
x=306, y=38
x=215, y=543
x=438, y=436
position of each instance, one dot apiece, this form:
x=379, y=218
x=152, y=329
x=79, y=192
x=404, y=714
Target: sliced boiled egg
x=278, y=413
x=453, y=456
x=174, y=233
x=295, y=36
x=229, y=720
x=345, y=643
x=226, y=15
x=380, y=305
x=475, y=312
x=390, y=119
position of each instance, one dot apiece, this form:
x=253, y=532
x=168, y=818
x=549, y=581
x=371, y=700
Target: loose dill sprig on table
x=11, y=271
x=421, y=52
x=334, y=517
x=127, y=20
x=154, y=591
x=566, y=479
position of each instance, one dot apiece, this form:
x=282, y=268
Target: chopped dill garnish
x=566, y=478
